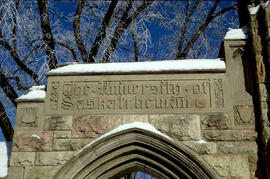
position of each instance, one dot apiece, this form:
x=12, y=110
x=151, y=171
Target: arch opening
x=135, y=149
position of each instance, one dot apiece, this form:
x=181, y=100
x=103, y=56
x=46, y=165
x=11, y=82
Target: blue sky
x=157, y=33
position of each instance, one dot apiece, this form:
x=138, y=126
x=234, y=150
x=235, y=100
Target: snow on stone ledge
x=36, y=93
x=5, y=149
x=138, y=125
x=189, y=65
x=254, y=10
x=264, y=5
x=236, y=34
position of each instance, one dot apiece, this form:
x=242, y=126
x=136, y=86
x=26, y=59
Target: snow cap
x=36, y=93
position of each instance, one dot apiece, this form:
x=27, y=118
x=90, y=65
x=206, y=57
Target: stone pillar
x=259, y=66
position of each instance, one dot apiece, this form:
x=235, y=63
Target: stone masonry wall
x=214, y=117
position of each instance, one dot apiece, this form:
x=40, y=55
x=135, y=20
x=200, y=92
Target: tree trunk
x=102, y=33
x=77, y=31
x=7, y=88
x=5, y=124
x=47, y=35
x=122, y=25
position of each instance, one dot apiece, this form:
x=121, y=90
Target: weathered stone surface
x=181, y=127
x=22, y=159
x=229, y=166
x=215, y=121
x=237, y=147
x=69, y=144
x=94, y=95
x=230, y=135
x=58, y=123
x=134, y=118
x=29, y=116
x=24, y=141
x=40, y=172
x=252, y=159
x=94, y=126
x=62, y=134
x=52, y=158
x=15, y=173
x=244, y=115
x=201, y=148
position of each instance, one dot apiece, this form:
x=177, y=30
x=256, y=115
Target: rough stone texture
x=134, y=118
x=22, y=159
x=58, y=123
x=230, y=135
x=15, y=173
x=215, y=121
x=29, y=116
x=52, y=158
x=62, y=134
x=201, y=148
x=94, y=126
x=40, y=172
x=23, y=141
x=237, y=148
x=229, y=166
x=181, y=127
x=252, y=159
x=69, y=144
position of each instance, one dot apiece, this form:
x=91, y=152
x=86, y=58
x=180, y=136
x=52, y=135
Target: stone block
x=62, y=134
x=252, y=159
x=229, y=166
x=244, y=115
x=215, y=121
x=237, y=147
x=52, y=158
x=230, y=135
x=58, y=123
x=29, y=116
x=94, y=126
x=201, y=148
x=40, y=172
x=181, y=126
x=134, y=118
x=69, y=144
x=15, y=172
x=32, y=141
x=22, y=159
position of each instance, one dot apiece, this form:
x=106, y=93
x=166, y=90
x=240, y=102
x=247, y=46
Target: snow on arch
x=136, y=146
x=138, y=125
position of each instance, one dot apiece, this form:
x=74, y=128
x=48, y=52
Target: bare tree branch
x=102, y=33
x=7, y=88
x=122, y=25
x=70, y=48
x=188, y=14
x=14, y=29
x=77, y=31
x=5, y=124
x=16, y=58
x=209, y=18
x=135, y=46
x=47, y=35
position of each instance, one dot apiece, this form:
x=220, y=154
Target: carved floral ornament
x=132, y=150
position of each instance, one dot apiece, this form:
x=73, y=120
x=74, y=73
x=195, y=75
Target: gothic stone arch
x=135, y=149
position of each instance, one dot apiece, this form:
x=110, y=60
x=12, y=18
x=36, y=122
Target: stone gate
x=171, y=119
x=202, y=107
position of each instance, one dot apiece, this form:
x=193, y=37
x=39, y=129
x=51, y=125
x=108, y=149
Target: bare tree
x=36, y=35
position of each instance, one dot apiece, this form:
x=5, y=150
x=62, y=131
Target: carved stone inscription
x=146, y=96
